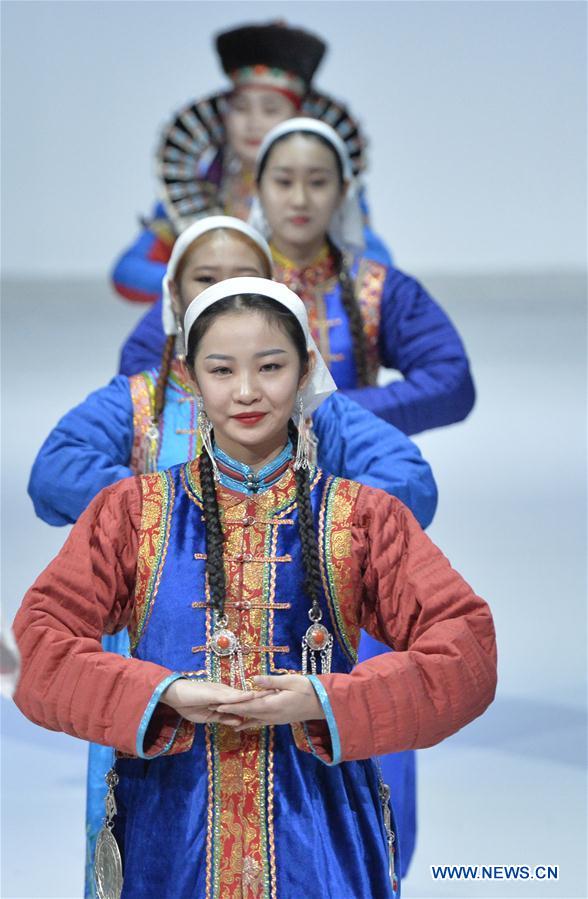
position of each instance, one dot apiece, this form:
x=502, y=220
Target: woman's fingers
x=241, y=696
x=248, y=708
x=293, y=682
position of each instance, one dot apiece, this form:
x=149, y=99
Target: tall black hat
x=280, y=57
x=254, y=52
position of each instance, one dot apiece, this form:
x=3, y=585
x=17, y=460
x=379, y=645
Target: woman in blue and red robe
x=244, y=733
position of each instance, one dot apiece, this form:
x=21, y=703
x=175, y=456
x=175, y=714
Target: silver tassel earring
x=304, y=449
x=205, y=429
x=180, y=341
x=150, y=448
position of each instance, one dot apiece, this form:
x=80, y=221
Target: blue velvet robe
x=243, y=815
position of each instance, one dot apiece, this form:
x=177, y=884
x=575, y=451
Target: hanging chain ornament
x=108, y=875
x=317, y=641
x=205, y=430
x=384, y=792
x=223, y=644
x=180, y=348
x=150, y=448
x=304, y=448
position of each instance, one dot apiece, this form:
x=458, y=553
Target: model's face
x=300, y=190
x=247, y=371
x=252, y=112
x=215, y=257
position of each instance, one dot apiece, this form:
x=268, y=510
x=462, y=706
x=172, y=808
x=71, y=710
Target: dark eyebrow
x=257, y=355
x=269, y=353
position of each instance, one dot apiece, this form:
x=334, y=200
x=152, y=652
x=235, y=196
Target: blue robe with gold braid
x=225, y=815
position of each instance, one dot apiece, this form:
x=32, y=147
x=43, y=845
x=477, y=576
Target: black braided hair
x=164, y=370
x=308, y=538
x=351, y=306
x=215, y=566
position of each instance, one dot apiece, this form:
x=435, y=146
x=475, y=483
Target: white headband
x=320, y=385
x=186, y=238
x=308, y=126
x=346, y=227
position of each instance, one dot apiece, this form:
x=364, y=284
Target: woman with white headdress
x=244, y=730
x=363, y=314
x=149, y=422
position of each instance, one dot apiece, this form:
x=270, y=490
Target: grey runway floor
x=508, y=790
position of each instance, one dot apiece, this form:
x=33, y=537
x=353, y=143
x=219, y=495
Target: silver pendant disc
x=107, y=866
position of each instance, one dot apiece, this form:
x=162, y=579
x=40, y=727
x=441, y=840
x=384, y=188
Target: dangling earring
x=304, y=450
x=180, y=341
x=205, y=429
x=150, y=449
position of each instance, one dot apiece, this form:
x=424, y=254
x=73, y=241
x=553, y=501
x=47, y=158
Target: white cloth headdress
x=320, y=385
x=185, y=239
x=346, y=227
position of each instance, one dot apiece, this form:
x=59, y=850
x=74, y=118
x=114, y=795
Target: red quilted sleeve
x=443, y=672
x=68, y=682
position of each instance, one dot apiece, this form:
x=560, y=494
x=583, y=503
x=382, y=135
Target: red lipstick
x=249, y=418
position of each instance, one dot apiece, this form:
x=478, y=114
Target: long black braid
x=351, y=306
x=215, y=566
x=308, y=538
x=164, y=370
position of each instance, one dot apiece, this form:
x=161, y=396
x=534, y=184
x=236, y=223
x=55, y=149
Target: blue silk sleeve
x=418, y=339
x=143, y=348
x=89, y=449
x=355, y=444
x=136, y=275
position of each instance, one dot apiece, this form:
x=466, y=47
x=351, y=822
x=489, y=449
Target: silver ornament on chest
x=224, y=644
x=317, y=646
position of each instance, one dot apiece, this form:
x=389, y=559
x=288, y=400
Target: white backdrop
x=476, y=113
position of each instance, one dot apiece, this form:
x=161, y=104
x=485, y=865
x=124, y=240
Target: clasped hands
x=283, y=699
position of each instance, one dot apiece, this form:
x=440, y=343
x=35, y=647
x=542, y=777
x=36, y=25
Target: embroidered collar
x=240, y=477
x=317, y=273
